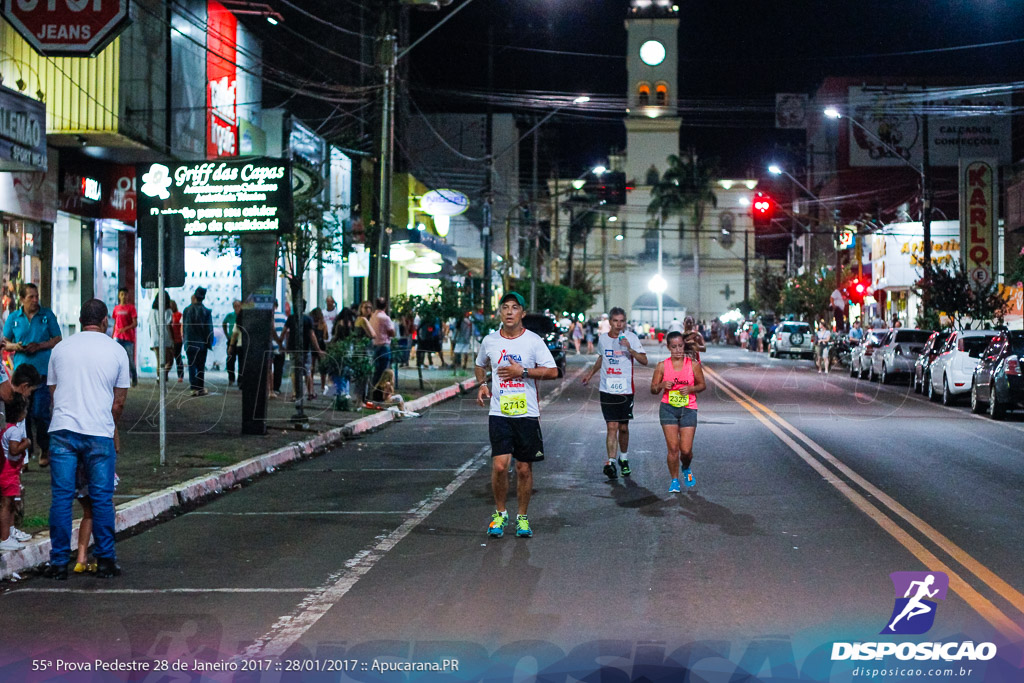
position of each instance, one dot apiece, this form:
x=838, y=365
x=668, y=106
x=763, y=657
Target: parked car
x=547, y=328
x=929, y=353
x=997, y=381
x=950, y=375
x=897, y=354
x=860, y=357
x=793, y=339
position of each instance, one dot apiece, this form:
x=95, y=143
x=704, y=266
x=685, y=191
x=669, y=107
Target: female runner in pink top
x=678, y=379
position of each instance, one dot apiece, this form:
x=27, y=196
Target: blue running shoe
x=688, y=478
x=497, y=526
x=673, y=487
x=523, y=529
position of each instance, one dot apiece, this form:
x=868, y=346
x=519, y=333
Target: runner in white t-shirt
x=517, y=358
x=616, y=352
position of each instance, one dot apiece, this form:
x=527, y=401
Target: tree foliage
x=562, y=299
x=807, y=296
x=684, y=190
x=769, y=284
x=950, y=292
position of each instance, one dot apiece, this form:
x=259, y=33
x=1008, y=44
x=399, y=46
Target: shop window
x=643, y=94
x=661, y=94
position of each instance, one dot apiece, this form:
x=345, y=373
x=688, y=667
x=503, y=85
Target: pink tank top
x=683, y=377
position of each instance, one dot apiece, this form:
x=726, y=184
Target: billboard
x=219, y=197
x=221, y=82
x=978, y=207
x=959, y=124
x=22, y=132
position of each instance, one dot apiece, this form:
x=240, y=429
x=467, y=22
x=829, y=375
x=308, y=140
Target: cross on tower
x=727, y=292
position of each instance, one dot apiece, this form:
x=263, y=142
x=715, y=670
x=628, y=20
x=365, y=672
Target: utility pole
x=926, y=198
x=553, y=256
x=489, y=180
x=604, y=260
x=534, y=225
x=386, y=60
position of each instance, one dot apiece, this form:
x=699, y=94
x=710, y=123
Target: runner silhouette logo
x=914, y=610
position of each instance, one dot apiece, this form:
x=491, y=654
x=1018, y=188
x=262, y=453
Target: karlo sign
x=978, y=219
x=67, y=28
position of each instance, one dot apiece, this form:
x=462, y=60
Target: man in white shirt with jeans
x=89, y=378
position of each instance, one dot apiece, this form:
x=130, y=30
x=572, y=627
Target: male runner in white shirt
x=616, y=352
x=518, y=358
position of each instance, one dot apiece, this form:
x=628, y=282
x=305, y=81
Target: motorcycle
x=839, y=351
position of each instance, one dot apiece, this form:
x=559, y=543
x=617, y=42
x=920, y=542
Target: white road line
x=289, y=628
x=403, y=469
x=261, y=513
x=151, y=591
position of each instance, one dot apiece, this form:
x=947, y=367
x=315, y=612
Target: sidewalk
x=204, y=434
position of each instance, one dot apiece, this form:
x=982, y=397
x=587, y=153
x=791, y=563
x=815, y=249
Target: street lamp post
x=926, y=194
x=775, y=169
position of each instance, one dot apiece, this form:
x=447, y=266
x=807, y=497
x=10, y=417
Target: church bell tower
x=652, y=65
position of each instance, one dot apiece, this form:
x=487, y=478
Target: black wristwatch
x=526, y=374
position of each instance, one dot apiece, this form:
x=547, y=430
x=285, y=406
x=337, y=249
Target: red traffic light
x=762, y=210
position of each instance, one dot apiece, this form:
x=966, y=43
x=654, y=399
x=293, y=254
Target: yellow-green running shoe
x=497, y=526
x=523, y=529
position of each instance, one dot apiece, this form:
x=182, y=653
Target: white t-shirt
x=15, y=433
x=675, y=326
x=518, y=396
x=86, y=368
x=330, y=317
x=617, y=363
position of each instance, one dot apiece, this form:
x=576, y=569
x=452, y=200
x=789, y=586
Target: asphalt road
x=811, y=490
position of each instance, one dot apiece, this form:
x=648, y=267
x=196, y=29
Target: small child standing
x=15, y=445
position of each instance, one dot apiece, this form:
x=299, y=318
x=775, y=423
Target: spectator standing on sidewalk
x=277, y=339
x=14, y=444
x=32, y=332
x=163, y=356
x=126, y=321
x=383, y=331
x=331, y=313
x=230, y=320
x=197, y=323
x=176, y=340
x=89, y=378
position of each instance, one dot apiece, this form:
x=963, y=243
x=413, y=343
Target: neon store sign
x=217, y=198
x=221, y=82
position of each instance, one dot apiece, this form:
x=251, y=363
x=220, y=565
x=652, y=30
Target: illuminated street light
x=612, y=219
x=598, y=170
x=833, y=113
x=582, y=99
x=774, y=169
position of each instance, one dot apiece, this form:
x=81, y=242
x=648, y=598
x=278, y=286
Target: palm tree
x=685, y=188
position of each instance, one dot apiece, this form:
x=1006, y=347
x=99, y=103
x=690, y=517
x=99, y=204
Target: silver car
x=860, y=357
x=897, y=354
x=794, y=339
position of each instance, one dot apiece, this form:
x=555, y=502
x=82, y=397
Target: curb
x=149, y=507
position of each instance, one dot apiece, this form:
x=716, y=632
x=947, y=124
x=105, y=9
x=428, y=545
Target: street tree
x=685, y=190
x=806, y=296
x=949, y=291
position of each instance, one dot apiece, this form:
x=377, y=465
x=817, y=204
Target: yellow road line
x=978, y=602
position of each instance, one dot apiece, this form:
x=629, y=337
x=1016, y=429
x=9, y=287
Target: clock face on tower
x=652, y=53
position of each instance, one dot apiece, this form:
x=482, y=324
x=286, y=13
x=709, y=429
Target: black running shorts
x=617, y=407
x=519, y=436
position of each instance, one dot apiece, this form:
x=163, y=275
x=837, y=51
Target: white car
x=950, y=374
x=794, y=339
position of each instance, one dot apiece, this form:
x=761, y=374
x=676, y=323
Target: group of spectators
x=65, y=396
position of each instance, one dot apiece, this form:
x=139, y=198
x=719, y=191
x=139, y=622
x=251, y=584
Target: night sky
x=734, y=57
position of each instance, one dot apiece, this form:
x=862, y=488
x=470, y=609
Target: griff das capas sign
x=219, y=197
